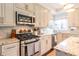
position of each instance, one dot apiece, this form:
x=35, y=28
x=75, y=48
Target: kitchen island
x=68, y=47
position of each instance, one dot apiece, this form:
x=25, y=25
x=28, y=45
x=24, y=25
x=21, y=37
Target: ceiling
x=56, y=7
x=52, y=6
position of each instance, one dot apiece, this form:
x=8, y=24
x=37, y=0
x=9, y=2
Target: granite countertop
x=45, y=34
x=8, y=41
x=70, y=32
x=69, y=45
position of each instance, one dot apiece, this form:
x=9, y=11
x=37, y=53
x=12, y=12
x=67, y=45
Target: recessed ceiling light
x=63, y=3
x=68, y=6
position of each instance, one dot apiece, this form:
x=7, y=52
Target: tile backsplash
x=6, y=31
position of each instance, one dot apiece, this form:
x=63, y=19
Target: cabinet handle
x=2, y=55
x=11, y=47
x=46, y=41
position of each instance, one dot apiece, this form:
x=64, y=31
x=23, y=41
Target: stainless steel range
x=29, y=44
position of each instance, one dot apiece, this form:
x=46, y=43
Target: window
x=61, y=25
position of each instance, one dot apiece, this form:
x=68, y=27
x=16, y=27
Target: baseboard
x=48, y=52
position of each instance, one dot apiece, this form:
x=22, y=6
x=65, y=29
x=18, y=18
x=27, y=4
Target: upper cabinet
x=7, y=15
x=1, y=13
x=0, y=10
x=37, y=15
x=73, y=18
x=28, y=7
x=42, y=16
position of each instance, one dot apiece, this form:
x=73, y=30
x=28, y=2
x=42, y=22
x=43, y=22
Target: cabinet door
x=49, y=42
x=42, y=15
x=76, y=18
x=59, y=37
x=20, y=5
x=1, y=13
x=0, y=9
x=37, y=15
x=65, y=35
x=73, y=18
x=10, y=50
x=43, y=45
x=9, y=14
x=28, y=7
x=1, y=21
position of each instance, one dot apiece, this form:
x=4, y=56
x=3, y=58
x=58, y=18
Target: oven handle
x=29, y=43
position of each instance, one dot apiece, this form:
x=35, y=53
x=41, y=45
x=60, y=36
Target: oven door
x=37, y=46
x=27, y=49
x=30, y=49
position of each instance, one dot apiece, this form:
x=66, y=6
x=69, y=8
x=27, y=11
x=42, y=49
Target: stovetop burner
x=26, y=36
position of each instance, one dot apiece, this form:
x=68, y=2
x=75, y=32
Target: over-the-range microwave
x=22, y=19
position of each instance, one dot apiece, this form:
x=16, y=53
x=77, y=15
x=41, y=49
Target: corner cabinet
x=7, y=14
x=46, y=44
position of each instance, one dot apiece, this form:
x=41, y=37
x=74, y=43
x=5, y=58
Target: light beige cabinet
x=46, y=44
x=1, y=13
x=7, y=15
x=43, y=45
x=49, y=42
x=20, y=5
x=42, y=16
x=10, y=49
x=73, y=18
x=61, y=36
x=30, y=7
x=37, y=15
x=0, y=10
x=27, y=7
x=45, y=17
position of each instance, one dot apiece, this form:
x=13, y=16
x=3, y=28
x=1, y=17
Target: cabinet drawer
x=10, y=47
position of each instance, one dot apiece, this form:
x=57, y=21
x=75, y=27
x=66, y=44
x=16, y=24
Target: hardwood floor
x=51, y=53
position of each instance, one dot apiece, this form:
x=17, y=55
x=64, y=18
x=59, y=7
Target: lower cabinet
x=46, y=44
x=61, y=36
x=10, y=50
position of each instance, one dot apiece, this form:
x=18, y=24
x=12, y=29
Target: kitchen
x=35, y=29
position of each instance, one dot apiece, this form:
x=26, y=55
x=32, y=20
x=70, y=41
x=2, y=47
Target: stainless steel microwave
x=24, y=19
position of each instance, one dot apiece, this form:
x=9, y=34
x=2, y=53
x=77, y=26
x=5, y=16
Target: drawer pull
x=11, y=47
